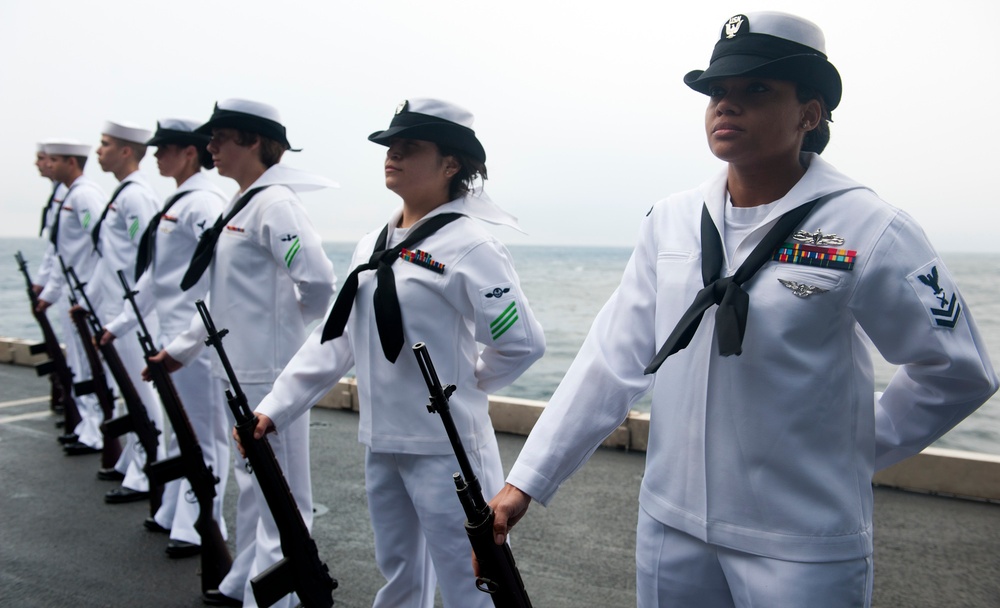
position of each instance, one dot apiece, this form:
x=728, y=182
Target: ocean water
x=567, y=286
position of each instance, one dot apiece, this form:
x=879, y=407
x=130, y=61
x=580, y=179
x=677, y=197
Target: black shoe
x=214, y=597
x=68, y=438
x=178, y=549
x=110, y=474
x=79, y=449
x=151, y=525
x=123, y=494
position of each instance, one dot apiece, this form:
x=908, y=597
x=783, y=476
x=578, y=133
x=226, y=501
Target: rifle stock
x=137, y=419
x=498, y=573
x=60, y=375
x=301, y=570
x=215, y=557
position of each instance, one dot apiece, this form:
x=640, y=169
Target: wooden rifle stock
x=98, y=383
x=300, y=570
x=60, y=375
x=498, y=573
x=215, y=557
x=137, y=418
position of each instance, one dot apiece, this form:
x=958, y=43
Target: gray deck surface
x=61, y=545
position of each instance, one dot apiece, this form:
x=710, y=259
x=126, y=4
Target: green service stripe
x=502, y=317
x=291, y=253
x=133, y=229
x=499, y=331
x=86, y=219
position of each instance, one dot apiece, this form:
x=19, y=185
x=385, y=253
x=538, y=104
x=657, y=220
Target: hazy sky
x=580, y=105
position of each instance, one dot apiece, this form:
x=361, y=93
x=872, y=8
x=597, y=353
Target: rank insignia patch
x=293, y=249
x=505, y=321
x=421, y=258
x=938, y=295
x=812, y=255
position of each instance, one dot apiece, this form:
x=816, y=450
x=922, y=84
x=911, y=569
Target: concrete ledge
x=938, y=471
x=15, y=351
x=947, y=473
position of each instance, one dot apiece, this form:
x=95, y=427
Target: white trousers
x=419, y=526
x=202, y=396
x=258, y=544
x=91, y=415
x=676, y=570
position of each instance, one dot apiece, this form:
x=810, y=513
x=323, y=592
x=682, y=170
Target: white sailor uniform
x=80, y=208
x=458, y=291
x=269, y=279
x=772, y=452
x=49, y=263
x=200, y=391
x=126, y=220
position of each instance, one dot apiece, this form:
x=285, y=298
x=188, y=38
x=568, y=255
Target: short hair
x=271, y=150
x=469, y=168
x=816, y=139
x=81, y=161
x=138, y=150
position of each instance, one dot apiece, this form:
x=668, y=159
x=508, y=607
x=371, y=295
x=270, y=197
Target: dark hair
x=270, y=149
x=469, y=168
x=816, y=139
x=81, y=161
x=205, y=157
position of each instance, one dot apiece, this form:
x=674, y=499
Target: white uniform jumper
x=772, y=452
x=79, y=211
x=49, y=263
x=199, y=390
x=269, y=279
x=124, y=224
x=475, y=299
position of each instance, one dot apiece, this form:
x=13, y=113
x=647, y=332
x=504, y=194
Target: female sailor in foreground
x=757, y=489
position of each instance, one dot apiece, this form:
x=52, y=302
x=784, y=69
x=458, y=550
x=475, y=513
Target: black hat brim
x=807, y=69
x=179, y=138
x=224, y=119
x=444, y=134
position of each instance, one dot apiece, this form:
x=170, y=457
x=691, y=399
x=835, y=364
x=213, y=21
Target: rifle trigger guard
x=486, y=585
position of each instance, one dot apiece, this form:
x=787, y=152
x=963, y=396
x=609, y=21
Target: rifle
x=98, y=383
x=499, y=575
x=137, y=418
x=300, y=570
x=60, y=375
x=215, y=558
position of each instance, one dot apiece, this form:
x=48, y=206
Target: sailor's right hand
x=264, y=426
x=37, y=288
x=509, y=506
x=169, y=363
x=42, y=305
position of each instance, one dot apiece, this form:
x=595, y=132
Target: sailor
x=69, y=237
x=765, y=427
x=164, y=254
x=464, y=299
x=115, y=240
x=268, y=280
x=49, y=211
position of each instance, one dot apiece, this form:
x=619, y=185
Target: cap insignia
x=733, y=25
x=403, y=105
